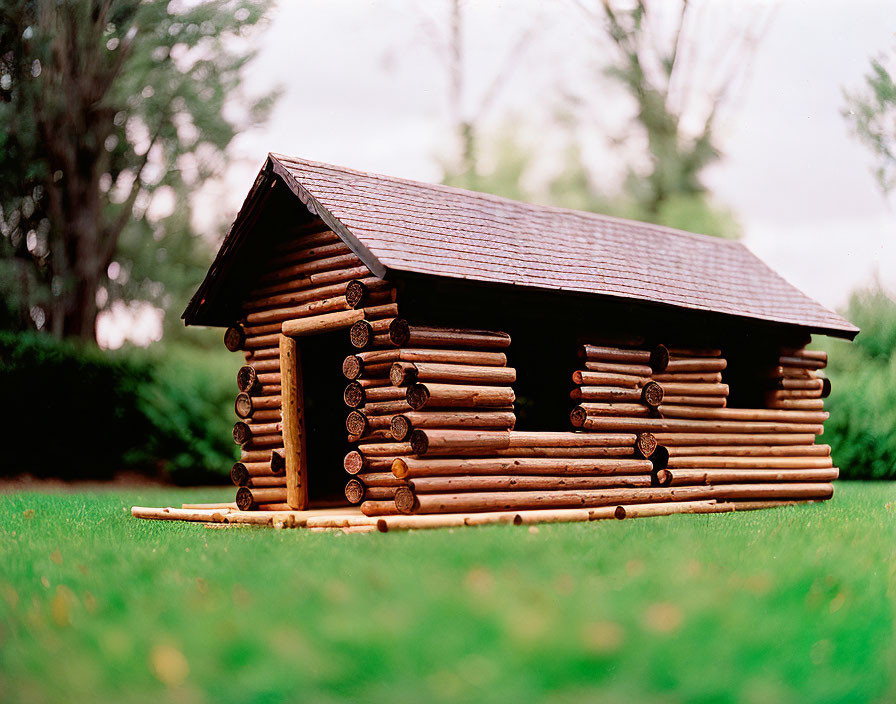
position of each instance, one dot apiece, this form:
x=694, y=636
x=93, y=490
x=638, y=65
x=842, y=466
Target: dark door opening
x=325, y=435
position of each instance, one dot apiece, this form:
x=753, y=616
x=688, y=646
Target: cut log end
x=356, y=423
x=645, y=444
x=243, y=405
x=234, y=338
x=360, y=334
x=419, y=442
x=659, y=358
x=244, y=501
x=239, y=475
x=405, y=501
x=619, y=512
x=661, y=477
x=652, y=394
x=399, y=468
x=351, y=367
x=353, y=462
x=400, y=427
x=354, y=491
x=578, y=416
x=355, y=292
x=242, y=433
x=246, y=378
x=402, y=374
x=417, y=396
x=353, y=395
x=399, y=331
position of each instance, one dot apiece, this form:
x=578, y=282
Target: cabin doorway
x=320, y=359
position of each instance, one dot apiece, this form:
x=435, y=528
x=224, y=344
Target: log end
x=351, y=367
x=645, y=444
x=244, y=500
x=353, y=462
x=652, y=394
x=402, y=374
x=353, y=395
x=405, y=501
x=242, y=433
x=243, y=405
x=399, y=468
x=578, y=416
x=354, y=491
x=360, y=334
x=659, y=358
x=417, y=396
x=356, y=423
x=400, y=427
x=399, y=331
x=246, y=378
x=419, y=442
x=355, y=292
x=234, y=338
x=239, y=475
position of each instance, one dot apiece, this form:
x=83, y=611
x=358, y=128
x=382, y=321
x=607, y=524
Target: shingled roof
x=396, y=225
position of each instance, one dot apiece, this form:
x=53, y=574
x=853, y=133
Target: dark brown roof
x=397, y=225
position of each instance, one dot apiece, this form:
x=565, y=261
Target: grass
x=795, y=604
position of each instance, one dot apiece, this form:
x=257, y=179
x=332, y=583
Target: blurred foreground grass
x=795, y=604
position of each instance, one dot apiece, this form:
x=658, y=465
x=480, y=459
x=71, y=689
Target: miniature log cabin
x=414, y=348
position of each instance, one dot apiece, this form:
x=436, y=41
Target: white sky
x=364, y=87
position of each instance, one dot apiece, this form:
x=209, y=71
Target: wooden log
x=614, y=394
x=306, y=236
x=402, y=425
x=801, y=362
x=371, y=435
x=304, y=282
x=458, y=396
x=294, y=438
x=353, y=367
x=263, y=481
x=754, y=462
x=714, y=438
x=341, y=261
x=358, y=291
x=379, y=508
x=688, y=378
x=407, y=373
x=443, y=356
x=817, y=355
x=321, y=323
x=363, y=334
x=684, y=477
x=265, y=365
x=702, y=401
x=409, y=468
x=801, y=404
x=356, y=395
x=241, y=471
x=234, y=338
x=790, y=394
x=707, y=364
x=597, y=353
x=276, y=316
x=247, y=499
x=265, y=455
x=593, y=452
x=698, y=389
x=385, y=449
x=403, y=334
x=259, y=341
x=246, y=405
x=589, y=378
x=750, y=450
x=372, y=479
x=266, y=415
x=790, y=384
x=676, y=352
x=511, y=500
x=355, y=462
x=681, y=425
x=258, y=442
x=637, y=370
x=320, y=251
x=386, y=408
x=430, y=485
x=629, y=410
x=745, y=414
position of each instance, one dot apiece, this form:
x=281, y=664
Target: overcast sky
x=365, y=86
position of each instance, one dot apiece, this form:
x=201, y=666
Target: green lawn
x=795, y=604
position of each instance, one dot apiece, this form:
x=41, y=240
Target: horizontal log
x=358, y=291
x=359, y=423
x=429, y=485
x=802, y=362
x=246, y=405
x=354, y=462
x=321, y=323
x=676, y=352
x=589, y=378
x=598, y=353
x=703, y=401
x=402, y=425
x=676, y=425
x=745, y=414
x=707, y=364
x=316, y=251
x=698, y=389
x=274, y=480
x=405, y=335
x=458, y=396
x=791, y=394
x=651, y=393
x=295, y=298
x=684, y=477
x=379, y=508
x=266, y=415
x=443, y=356
x=385, y=449
x=247, y=499
x=769, y=439
x=718, y=462
x=341, y=261
x=306, y=236
x=594, y=452
x=801, y=404
x=370, y=479
x=407, y=373
x=257, y=442
x=371, y=436
x=749, y=450
x=792, y=384
x=241, y=472
x=353, y=368
x=322, y=278
x=305, y=310
x=584, y=498
x=629, y=410
x=264, y=366
x=638, y=370
x=688, y=378
x=408, y=467
x=363, y=335
x=386, y=408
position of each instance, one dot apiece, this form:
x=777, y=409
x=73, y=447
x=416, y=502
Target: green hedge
x=78, y=412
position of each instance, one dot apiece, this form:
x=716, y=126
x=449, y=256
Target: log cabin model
x=418, y=355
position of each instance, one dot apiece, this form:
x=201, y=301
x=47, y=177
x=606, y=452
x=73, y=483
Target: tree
x=873, y=115
x=676, y=95
x=111, y=114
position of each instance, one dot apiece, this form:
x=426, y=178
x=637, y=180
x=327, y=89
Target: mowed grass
x=795, y=604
